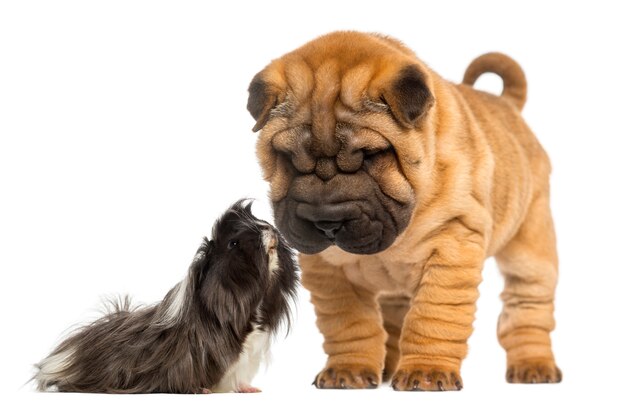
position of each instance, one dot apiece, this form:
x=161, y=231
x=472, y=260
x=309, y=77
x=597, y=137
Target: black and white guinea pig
x=209, y=334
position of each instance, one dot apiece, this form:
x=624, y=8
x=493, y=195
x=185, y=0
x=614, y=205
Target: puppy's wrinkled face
x=336, y=146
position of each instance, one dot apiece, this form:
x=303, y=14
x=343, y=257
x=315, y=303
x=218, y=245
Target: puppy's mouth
x=350, y=211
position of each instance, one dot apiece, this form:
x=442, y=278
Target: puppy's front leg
x=439, y=321
x=349, y=318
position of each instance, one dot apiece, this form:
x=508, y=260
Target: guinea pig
x=209, y=334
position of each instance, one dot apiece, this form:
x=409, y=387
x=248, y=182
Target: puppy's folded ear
x=408, y=96
x=261, y=100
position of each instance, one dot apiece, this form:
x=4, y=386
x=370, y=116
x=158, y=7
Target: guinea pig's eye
x=233, y=243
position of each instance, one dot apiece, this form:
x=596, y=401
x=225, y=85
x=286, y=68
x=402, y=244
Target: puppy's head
x=246, y=265
x=341, y=144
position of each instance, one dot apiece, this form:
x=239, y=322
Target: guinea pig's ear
x=205, y=249
x=210, y=246
x=202, y=259
x=261, y=100
x=408, y=96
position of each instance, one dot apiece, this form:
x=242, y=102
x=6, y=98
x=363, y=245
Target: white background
x=124, y=133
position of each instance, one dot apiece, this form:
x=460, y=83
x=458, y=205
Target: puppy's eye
x=233, y=243
x=369, y=153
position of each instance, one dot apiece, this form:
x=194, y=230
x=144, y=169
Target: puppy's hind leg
x=529, y=264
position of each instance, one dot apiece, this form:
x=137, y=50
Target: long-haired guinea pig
x=209, y=334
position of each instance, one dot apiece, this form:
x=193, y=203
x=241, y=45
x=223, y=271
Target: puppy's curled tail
x=514, y=80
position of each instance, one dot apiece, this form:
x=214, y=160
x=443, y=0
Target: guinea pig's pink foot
x=205, y=391
x=247, y=389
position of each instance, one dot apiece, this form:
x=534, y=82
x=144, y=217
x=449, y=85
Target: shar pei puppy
x=395, y=185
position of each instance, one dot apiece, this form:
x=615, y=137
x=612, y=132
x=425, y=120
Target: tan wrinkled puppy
x=396, y=185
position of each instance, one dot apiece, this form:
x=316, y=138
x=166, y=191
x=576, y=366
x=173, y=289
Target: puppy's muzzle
x=328, y=219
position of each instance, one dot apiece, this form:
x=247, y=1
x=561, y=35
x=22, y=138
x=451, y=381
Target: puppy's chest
x=377, y=276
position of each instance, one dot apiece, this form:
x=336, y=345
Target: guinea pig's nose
x=329, y=228
x=270, y=240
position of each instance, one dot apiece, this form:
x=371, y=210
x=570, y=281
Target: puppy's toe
x=426, y=378
x=533, y=371
x=347, y=377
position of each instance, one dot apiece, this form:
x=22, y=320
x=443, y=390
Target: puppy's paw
x=544, y=371
x=347, y=377
x=425, y=378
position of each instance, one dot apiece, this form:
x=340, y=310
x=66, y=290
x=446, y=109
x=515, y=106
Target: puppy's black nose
x=329, y=228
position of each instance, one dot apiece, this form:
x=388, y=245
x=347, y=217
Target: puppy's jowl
x=396, y=185
x=209, y=334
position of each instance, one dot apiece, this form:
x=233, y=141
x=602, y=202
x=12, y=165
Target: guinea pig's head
x=245, y=267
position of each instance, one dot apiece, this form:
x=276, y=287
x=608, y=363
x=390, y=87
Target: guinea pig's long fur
x=208, y=334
